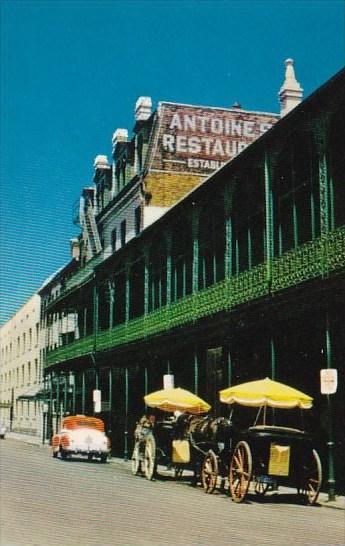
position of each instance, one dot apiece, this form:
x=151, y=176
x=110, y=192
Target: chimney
x=119, y=137
x=75, y=249
x=101, y=162
x=291, y=93
x=143, y=108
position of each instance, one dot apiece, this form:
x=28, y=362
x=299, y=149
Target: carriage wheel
x=209, y=472
x=136, y=462
x=240, y=471
x=312, y=480
x=178, y=471
x=150, y=457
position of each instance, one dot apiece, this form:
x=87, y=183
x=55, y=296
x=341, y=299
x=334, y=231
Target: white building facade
x=21, y=405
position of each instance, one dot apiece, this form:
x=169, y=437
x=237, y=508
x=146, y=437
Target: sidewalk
x=27, y=438
x=338, y=503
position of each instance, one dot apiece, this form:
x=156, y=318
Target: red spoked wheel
x=310, y=488
x=136, y=462
x=240, y=471
x=209, y=472
x=150, y=462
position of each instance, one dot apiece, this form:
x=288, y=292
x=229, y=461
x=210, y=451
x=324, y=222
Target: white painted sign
x=204, y=139
x=329, y=380
x=168, y=381
x=97, y=400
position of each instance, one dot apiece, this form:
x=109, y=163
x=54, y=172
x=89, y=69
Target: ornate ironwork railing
x=78, y=279
x=314, y=259
x=75, y=349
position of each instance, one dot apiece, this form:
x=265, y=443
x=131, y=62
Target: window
x=137, y=220
x=36, y=370
x=123, y=233
x=30, y=338
x=37, y=331
x=113, y=240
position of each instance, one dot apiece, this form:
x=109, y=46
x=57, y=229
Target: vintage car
x=81, y=435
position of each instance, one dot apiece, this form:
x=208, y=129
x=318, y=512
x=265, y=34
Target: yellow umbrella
x=176, y=399
x=265, y=392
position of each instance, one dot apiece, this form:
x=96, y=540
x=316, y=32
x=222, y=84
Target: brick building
x=240, y=279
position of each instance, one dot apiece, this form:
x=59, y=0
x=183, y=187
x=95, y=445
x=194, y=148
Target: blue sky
x=72, y=71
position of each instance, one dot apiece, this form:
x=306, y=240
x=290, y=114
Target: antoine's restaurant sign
x=201, y=139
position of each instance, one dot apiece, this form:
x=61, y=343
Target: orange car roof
x=79, y=421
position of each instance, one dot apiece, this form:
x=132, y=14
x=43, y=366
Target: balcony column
x=319, y=131
x=68, y=340
x=111, y=287
x=125, y=455
x=168, y=246
x=95, y=310
x=76, y=325
x=59, y=328
x=96, y=377
x=229, y=364
x=57, y=414
x=146, y=380
x=127, y=293
x=268, y=216
x=196, y=370
x=273, y=358
x=66, y=384
x=83, y=392
x=195, y=238
x=146, y=279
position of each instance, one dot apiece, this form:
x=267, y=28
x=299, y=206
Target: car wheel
x=104, y=457
x=55, y=454
x=63, y=454
x=89, y=457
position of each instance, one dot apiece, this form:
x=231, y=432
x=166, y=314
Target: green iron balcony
x=78, y=279
x=315, y=259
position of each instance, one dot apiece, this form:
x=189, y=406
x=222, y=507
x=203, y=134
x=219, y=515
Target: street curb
x=338, y=504
x=326, y=504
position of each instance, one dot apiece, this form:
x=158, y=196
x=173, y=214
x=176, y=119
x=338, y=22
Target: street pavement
x=46, y=501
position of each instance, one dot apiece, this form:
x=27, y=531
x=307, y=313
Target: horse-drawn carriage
x=219, y=450
x=270, y=455
x=174, y=440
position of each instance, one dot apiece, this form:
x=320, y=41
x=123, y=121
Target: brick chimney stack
x=143, y=108
x=75, y=249
x=291, y=93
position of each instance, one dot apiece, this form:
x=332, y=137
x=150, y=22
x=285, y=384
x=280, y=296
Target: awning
x=34, y=393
